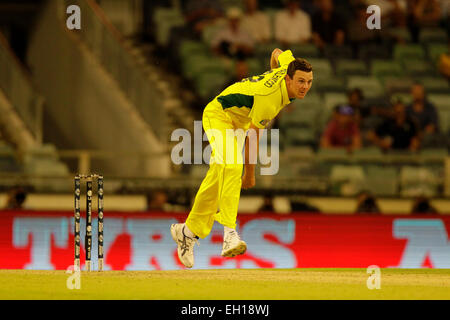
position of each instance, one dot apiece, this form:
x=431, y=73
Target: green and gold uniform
x=254, y=100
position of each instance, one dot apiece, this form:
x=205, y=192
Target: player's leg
x=201, y=218
x=229, y=201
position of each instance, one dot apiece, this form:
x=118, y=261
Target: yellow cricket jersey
x=257, y=99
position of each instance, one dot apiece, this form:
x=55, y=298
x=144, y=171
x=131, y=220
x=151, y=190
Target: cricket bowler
x=248, y=105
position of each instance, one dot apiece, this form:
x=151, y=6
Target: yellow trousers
x=218, y=196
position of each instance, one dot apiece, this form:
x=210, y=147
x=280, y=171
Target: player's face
x=299, y=86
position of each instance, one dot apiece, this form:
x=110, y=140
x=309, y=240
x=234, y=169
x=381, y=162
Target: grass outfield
x=269, y=284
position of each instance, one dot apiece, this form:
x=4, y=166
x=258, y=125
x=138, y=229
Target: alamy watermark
x=74, y=280
x=374, y=20
x=74, y=20
x=229, y=147
x=374, y=280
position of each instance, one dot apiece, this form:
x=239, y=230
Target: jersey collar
x=286, y=99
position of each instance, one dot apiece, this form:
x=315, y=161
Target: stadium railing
x=108, y=44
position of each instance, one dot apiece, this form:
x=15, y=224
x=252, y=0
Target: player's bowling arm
x=274, y=58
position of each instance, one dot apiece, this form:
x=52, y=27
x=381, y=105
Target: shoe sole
x=174, y=237
x=172, y=232
x=238, y=250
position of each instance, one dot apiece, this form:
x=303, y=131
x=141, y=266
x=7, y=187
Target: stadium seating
x=435, y=50
x=165, y=19
x=374, y=51
x=432, y=35
x=435, y=85
x=386, y=68
x=394, y=85
x=321, y=67
x=331, y=100
x=333, y=52
x=370, y=86
x=415, y=181
x=349, y=67
x=418, y=68
x=328, y=84
x=209, y=84
x=405, y=52
x=305, y=51
x=8, y=161
x=347, y=180
x=381, y=180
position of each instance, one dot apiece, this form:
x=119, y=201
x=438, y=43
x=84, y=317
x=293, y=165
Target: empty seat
x=330, y=84
x=333, y=52
x=305, y=51
x=384, y=68
x=369, y=154
x=440, y=101
x=433, y=154
x=435, y=51
x=300, y=136
x=347, y=180
x=8, y=161
x=370, y=86
x=432, y=35
x=165, y=19
x=264, y=50
x=435, y=84
x=209, y=84
x=399, y=33
x=191, y=47
x=332, y=154
x=349, y=67
x=444, y=120
x=408, y=51
x=382, y=181
x=393, y=85
x=321, y=67
x=417, y=181
x=374, y=51
x=197, y=65
x=419, y=68
x=255, y=66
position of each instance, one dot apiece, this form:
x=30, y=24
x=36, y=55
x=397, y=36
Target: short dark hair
x=298, y=64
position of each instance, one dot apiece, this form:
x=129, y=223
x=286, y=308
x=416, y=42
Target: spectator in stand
x=422, y=111
x=356, y=101
x=256, y=22
x=422, y=205
x=393, y=12
x=201, y=13
x=233, y=41
x=422, y=13
x=342, y=131
x=157, y=201
x=16, y=199
x=366, y=203
x=398, y=132
x=327, y=26
x=292, y=25
x=267, y=205
x=357, y=31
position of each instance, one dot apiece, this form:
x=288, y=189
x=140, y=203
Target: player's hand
x=248, y=180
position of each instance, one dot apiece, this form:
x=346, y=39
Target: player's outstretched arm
x=274, y=58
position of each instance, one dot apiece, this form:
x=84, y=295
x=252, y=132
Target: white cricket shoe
x=185, y=244
x=233, y=245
